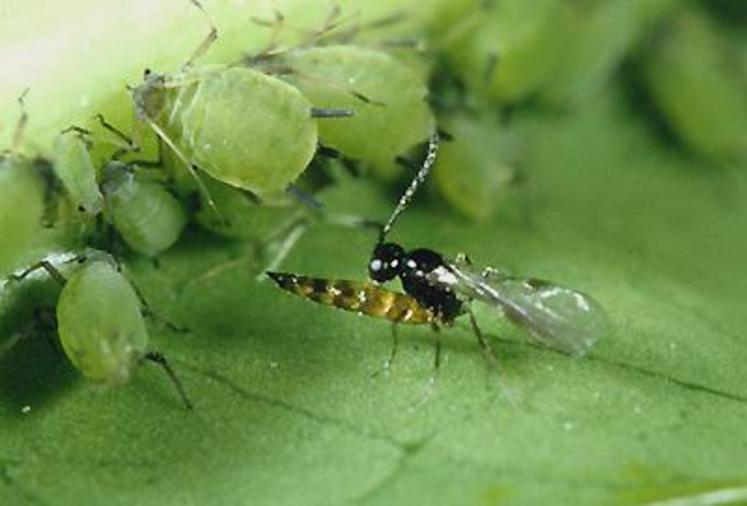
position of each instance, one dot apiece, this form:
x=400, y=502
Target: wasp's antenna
x=406, y=197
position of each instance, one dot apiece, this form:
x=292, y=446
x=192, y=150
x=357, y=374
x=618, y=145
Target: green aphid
x=73, y=165
x=100, y=322
x=28, y=201
x=144, y=213
x=602, y=33
x=508, y=49
x=473, y=171
x=241, y=126
x=387, y=98
x=22, y=205
x=697, y=84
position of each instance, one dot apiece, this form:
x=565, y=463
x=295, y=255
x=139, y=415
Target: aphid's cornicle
x=360, y=297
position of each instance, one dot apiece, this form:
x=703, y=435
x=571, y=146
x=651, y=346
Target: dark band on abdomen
x=360, y=297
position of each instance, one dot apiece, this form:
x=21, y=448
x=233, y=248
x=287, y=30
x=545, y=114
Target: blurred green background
x=599, y=144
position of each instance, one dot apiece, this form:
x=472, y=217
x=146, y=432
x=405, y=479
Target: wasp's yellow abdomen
x=360, y=297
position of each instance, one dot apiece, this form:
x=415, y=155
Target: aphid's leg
x=211, y=37
x=51, y=270
x=84, y=133
x=11, y=342
x=284, y=248
x=417, y=44
x=337, y=86
x=149, y=313
x=45, y=320
x=173, y=327
x=341, y=219
x=304, y=198
x=351, y=221
x=187, y=164
x=127, y=143
x=462, y=27
x=330, y=113
x=158, y=358
x=327, y=151
x=21, y=123
x=491, y=65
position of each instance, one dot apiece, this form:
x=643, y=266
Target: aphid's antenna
x=21, y=124
x=331, y=23
x=310, y=37
x=404, y=200
x=276, y=26
x=348, y=35
x=212, y=36
x=269, y=59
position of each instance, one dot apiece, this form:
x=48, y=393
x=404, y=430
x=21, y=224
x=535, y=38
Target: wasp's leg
x=158, y=358
x=437, y=345
x=429, y=387
x=463, y=259
x=484, y=344
x=392, y=352
x=509, y=393
x=395, y=344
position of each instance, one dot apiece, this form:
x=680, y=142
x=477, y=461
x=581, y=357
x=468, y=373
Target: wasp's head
x=386, y=262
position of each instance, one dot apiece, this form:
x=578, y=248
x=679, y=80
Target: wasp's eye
x=385, y=262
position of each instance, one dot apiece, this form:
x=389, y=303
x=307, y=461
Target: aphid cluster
x=233, y=141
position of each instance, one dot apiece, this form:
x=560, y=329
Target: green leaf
x=290, y=408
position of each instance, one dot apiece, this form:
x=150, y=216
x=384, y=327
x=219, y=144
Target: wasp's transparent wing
x=559, y=317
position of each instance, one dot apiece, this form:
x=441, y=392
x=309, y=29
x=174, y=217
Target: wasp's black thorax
x=440, y=299
x=412, y=267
